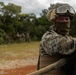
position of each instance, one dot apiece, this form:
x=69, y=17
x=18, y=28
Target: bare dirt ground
x=18, y=67
x=18, y=59
x=19, y=71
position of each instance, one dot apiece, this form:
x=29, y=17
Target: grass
x=19, y=51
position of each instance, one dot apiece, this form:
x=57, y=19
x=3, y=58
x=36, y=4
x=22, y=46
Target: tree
x=73, y=26
x=11, y=9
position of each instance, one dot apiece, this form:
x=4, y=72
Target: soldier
x=57, y=43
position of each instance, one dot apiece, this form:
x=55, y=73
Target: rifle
x=50, y=67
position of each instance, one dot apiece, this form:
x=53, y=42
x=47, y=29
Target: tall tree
x=11, y=9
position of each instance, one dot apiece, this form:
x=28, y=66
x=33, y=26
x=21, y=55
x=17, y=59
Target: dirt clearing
x=18, y=67
x=18, y=59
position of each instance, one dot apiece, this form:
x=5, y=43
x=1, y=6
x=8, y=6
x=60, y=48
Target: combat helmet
x=60, y=9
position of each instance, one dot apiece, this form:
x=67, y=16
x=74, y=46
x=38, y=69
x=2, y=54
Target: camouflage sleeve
x=53, y=43
x=75, y=43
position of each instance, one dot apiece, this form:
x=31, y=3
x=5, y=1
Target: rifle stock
x=50, y=67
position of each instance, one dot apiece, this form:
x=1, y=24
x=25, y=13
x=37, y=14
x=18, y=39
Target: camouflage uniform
x=56, y=43
x=54, y=46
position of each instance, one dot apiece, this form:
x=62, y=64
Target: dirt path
x=18, y=67
x=19, y=71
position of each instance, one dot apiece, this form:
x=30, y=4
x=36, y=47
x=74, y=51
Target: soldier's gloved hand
x=71, y=58
x=75, y=43
x=66, y=45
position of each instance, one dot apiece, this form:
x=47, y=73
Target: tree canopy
x=13, y=22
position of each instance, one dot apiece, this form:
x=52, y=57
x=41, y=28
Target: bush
x=1, y=40
x=34, y=38
x=2, y=33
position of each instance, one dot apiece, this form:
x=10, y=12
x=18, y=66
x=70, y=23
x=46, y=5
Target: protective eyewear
x=65, y=9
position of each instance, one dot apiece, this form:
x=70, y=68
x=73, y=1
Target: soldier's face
x=63, y=21
x=62, y=24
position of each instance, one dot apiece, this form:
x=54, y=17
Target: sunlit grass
x=19, y=51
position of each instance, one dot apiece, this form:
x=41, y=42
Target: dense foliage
x=18, y=27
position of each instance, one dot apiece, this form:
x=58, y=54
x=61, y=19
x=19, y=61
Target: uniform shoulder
x=49, y=34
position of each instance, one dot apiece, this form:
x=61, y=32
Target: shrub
x=1, y=40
